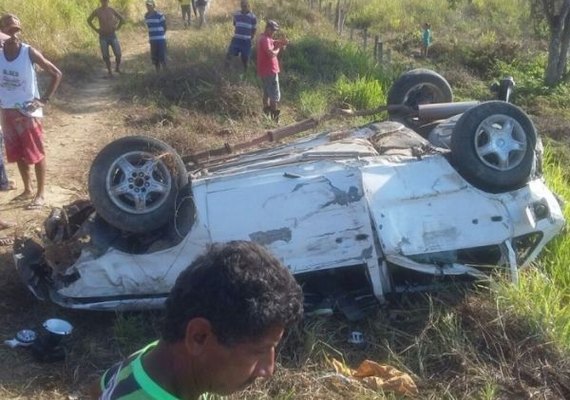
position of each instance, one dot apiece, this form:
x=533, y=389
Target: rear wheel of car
x=493, y=146
x=415, y=87
x=134, y=182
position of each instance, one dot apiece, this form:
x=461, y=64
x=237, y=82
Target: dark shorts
x=271, y=88
x=240, y=46
x=158, y=51
x=185, y=10
x=113, y=42
x=23, y=137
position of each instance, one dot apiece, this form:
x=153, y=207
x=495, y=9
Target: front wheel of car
x=134, y=182
x=493, y=146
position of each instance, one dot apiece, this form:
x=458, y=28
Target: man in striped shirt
x=156, y=23
x=225, y=316
x=245, y=24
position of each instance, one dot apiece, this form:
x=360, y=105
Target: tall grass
x=58, y=27
x=543, y=294
x=361, y=93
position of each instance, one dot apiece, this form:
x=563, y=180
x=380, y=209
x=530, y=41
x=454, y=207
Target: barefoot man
x=21, y=106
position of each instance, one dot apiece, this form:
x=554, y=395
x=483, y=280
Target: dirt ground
x=82, y=118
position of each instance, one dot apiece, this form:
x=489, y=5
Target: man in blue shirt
x=245, y=24
x=156, y=23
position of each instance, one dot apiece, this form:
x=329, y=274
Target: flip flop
x=11, y=186
x=6, y=241
x=22, y=197
x=36, y=204
x=6, y=225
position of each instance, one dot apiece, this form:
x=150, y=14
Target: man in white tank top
x=5, y=184
x=21, y=105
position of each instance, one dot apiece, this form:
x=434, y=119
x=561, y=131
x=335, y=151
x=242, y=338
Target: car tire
x=418, y=86
x=134, y=182
x=493, y=146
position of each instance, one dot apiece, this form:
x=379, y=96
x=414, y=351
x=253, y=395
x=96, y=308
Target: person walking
x=245, y=24
x=186, y=8
x=156, y=24
x=268, y=69
x=224, y=319
x=201, y=6
x=110, y=21
x=21, y=106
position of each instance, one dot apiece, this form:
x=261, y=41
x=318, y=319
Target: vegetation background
x=497, y=341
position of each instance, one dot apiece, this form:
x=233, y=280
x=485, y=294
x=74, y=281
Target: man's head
x=229, y=310
x=150, y=5
x=104, y=3
x=245, y=8
x=10, y=24
x=271, y=27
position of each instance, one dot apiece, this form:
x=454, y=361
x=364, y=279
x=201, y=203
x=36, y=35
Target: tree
x=557, y=14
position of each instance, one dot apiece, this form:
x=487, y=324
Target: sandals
x=6, y=225
x=6, y=241
x=10, y=186
x=22, y=197
x=36, y=204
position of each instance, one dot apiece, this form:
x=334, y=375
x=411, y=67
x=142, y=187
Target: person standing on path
x=245, y=24
x=21, y=106
x=185, y=7
x=110, y=21
x=201, y=6
x=156, y=24
x=268, y=68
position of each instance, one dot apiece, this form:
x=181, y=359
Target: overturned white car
x=377, y=206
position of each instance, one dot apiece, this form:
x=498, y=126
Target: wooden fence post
x=342, y=20
x=351, y=33
x=376, y=40
x=365, y=34
x=337, y=17
x=380, y=51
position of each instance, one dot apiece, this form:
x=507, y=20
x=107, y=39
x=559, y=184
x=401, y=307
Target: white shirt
x=18, y=81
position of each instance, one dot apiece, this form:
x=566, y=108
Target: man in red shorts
x=21, y=106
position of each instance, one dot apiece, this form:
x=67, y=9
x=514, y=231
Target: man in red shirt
x=268, y=67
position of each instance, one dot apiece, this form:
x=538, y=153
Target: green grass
x=543, y=293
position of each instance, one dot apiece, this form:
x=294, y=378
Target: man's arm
x=52, y=70
x=272, y=47
x=120, y=18
x=90, y=21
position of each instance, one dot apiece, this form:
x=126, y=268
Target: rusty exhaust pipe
x=435, y=111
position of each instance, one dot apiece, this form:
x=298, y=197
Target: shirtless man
x=110, y=21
